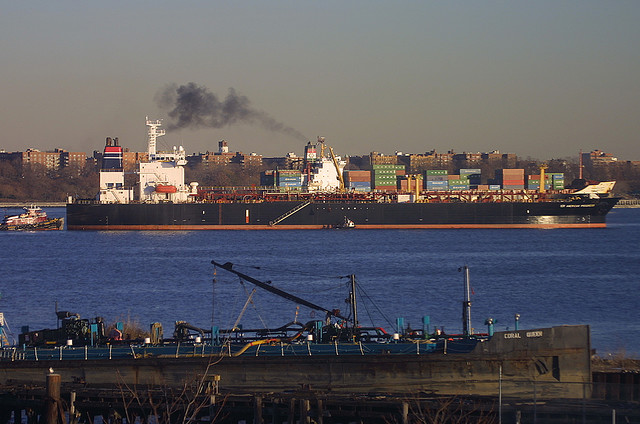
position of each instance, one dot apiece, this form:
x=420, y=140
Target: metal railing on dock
x=64, y=353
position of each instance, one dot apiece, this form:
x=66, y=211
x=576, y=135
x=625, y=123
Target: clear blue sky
x=537, y=78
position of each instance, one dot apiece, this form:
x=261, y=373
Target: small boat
x=346, y=223
x=33, y=218
x=165, y=188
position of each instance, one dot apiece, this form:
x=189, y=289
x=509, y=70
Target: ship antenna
x=466, y=304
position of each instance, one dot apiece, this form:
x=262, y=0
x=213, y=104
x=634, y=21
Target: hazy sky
x=537, y=78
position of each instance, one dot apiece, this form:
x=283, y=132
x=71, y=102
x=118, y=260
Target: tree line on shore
x=35, y=183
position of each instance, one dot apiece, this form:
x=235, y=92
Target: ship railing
x=302, y=348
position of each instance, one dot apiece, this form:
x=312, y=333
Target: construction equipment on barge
x=334, y=354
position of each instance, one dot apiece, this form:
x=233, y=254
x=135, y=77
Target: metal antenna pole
x=466, y=304
x=354, y=304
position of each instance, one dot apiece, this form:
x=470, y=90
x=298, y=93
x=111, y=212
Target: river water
x=549, y=277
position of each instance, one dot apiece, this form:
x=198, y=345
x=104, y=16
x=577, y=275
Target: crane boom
x=228, y=266
x=335, y=163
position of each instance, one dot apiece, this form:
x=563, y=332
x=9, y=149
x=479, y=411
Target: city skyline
x=542, y=79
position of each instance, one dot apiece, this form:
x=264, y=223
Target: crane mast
x=335, y=163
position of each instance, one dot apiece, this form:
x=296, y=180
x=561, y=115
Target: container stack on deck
x=384, y=176
x=357, y=180
x=436, y=179
x=553, y=180
x=458, y=182
x=510, y=179
x=473, y=176
x=289, y=178
x=557, y=180
x=389, y=177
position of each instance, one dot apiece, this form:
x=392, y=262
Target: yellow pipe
x=257, y=342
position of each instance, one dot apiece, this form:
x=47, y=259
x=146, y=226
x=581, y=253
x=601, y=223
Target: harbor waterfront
x=549, y=277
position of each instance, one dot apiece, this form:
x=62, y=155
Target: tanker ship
x=161, y=200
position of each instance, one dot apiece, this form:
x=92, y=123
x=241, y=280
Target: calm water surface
x=549, y=277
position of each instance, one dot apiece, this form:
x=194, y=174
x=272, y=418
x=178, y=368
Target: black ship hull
x=583, y=213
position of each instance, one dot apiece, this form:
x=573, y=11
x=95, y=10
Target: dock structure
x=206, y=404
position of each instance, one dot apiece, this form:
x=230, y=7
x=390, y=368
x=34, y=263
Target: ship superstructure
x=112, y=188
x=161, y=179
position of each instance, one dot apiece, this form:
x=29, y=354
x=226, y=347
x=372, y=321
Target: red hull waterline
x=320, y=227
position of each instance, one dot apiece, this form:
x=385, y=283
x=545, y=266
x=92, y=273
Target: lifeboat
x=162, y=188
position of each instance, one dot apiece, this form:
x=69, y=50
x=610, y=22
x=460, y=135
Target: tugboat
x=33, y=218
x=347, y=223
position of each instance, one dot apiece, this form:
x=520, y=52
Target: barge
x=333, y=355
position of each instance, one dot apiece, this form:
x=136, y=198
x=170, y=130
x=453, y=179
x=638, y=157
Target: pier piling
x=53, y=405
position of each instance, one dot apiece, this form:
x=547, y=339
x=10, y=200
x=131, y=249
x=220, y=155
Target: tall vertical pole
x=466, y=305
x=580, y=166
x=500, y=396
x=354, y=304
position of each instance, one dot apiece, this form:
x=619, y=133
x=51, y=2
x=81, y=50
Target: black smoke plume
x=193, y=106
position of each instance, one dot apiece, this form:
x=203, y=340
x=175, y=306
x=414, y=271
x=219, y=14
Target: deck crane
x=543, y=168
x=335, y=163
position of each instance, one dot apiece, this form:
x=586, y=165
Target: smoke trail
x=193, y=106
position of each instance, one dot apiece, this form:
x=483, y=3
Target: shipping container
x=459, y=182
x=536, y=186
x=468, y=171
x=437, y=178
x=387, y=166
x=352, y=175
x=436, y=172
x=509, y=174
x=359, y=186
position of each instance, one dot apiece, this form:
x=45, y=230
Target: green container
x=461, y=181
x=436, y=172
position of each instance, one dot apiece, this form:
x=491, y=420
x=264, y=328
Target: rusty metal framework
x=259, y=195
